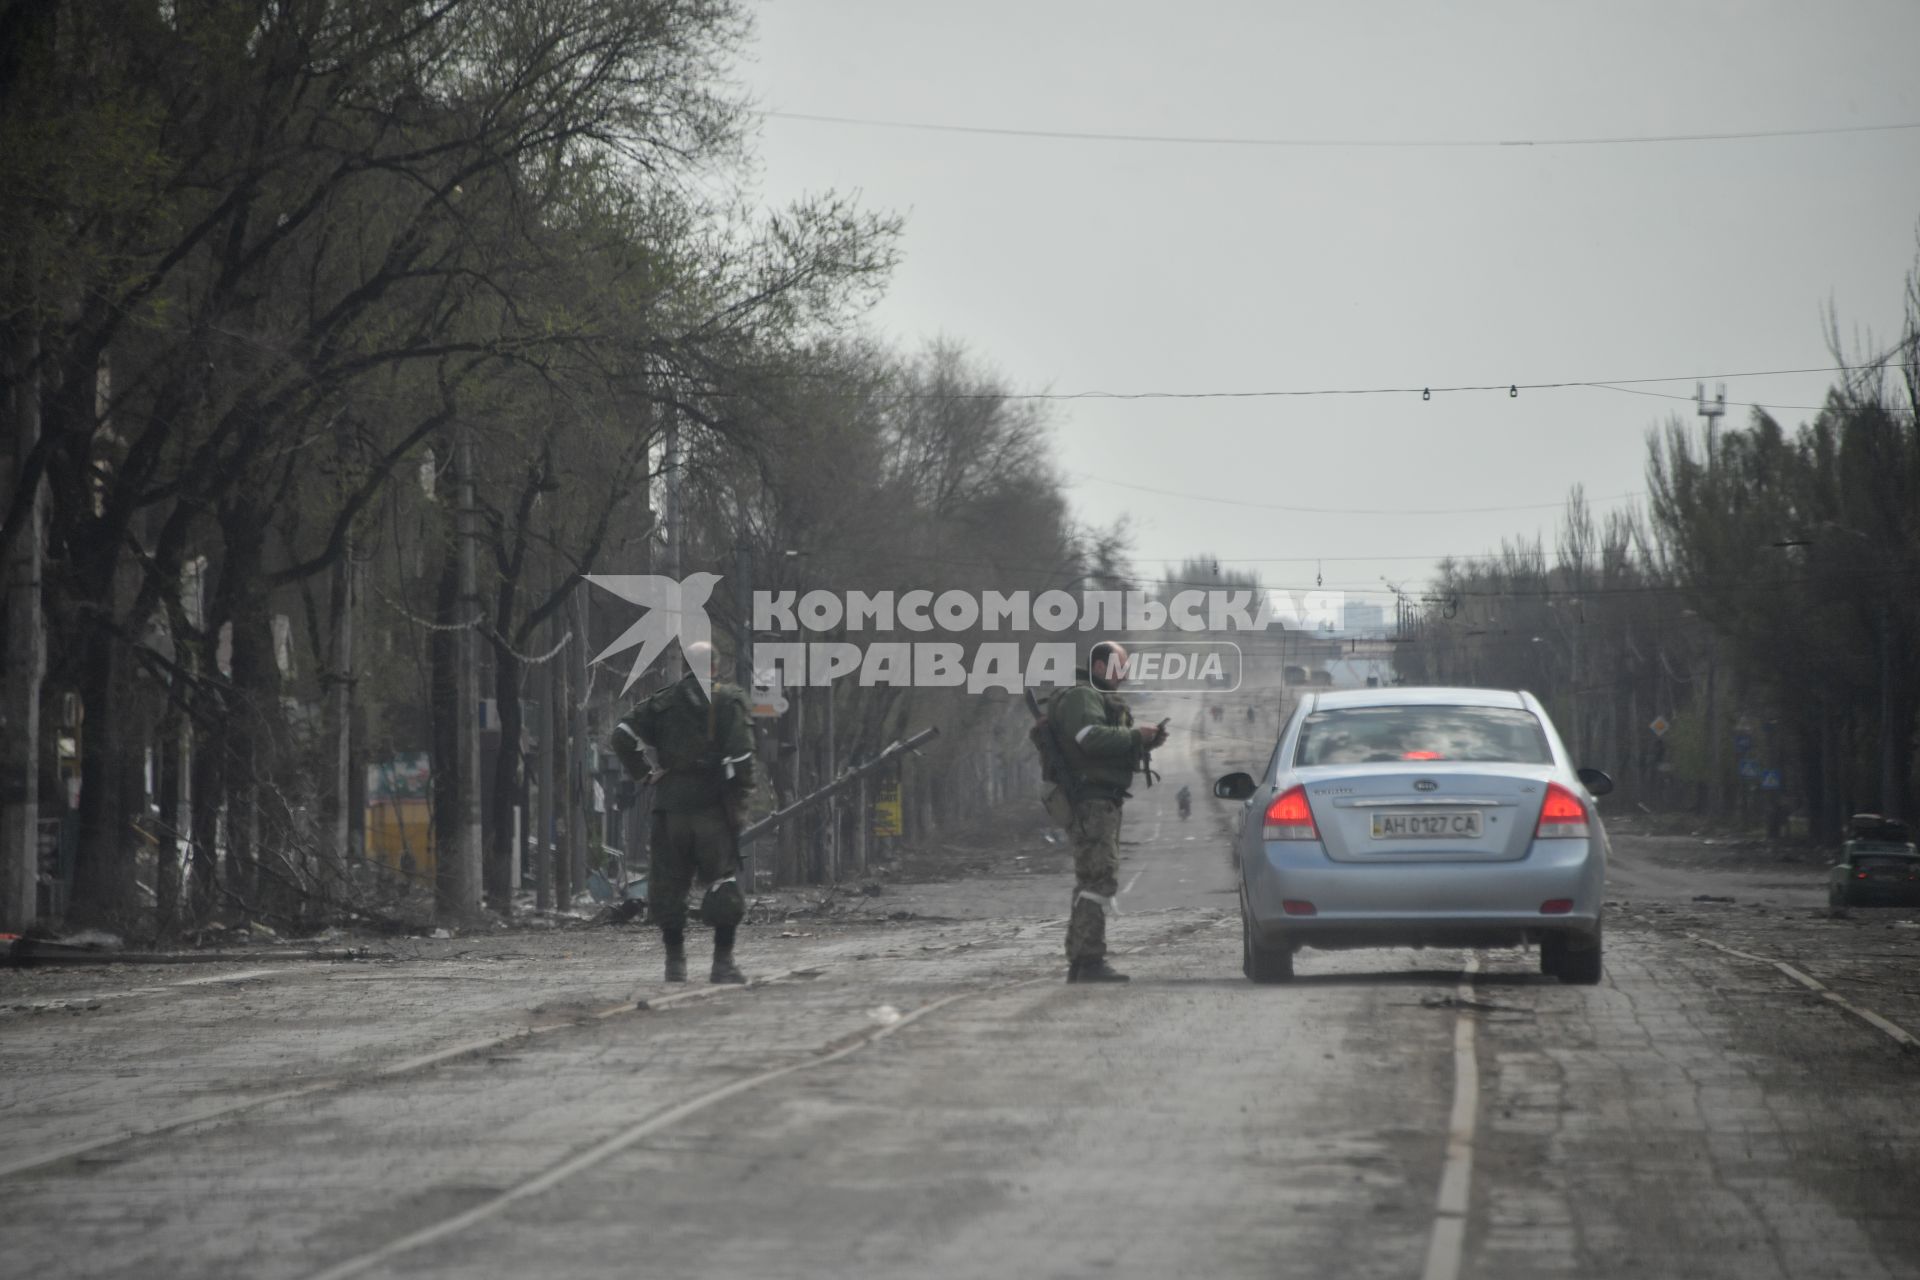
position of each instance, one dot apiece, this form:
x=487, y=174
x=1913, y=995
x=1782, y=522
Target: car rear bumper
x=1424, y=903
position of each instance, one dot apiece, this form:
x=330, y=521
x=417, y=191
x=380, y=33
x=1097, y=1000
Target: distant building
x=1364, y=619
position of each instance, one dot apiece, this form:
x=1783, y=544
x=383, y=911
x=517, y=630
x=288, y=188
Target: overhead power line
x=1350, y=511
x=1426, y=392
x=1626, y=386
x=1218, y=140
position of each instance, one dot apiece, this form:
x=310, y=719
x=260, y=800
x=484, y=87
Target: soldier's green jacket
x=692, y=739
x=1095, y=731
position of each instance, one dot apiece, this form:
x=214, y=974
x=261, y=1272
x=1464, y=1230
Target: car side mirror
x=1597, y=783
x=1235, y=786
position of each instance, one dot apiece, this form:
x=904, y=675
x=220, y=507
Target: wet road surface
x=931, y=1099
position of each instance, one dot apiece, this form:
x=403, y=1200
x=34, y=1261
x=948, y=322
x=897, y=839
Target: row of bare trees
x=341, y=338
x=890, y=475
x=1765, y=610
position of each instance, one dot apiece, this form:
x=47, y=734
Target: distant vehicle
x=1879, y=865
x=1420, y=817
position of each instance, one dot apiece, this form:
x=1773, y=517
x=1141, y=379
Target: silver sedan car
x=1420, y=817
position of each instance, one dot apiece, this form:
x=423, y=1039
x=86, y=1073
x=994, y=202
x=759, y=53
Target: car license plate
x=1446, y=824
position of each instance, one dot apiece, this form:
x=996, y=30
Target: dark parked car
x=1879, y=866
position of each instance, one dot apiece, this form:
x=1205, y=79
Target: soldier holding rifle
x=1090, y=749
x=702, y=777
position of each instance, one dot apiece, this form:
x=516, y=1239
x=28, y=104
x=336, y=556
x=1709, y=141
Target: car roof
x=1420, y=696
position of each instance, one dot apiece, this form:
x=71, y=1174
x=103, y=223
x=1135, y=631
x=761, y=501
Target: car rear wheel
x=1553, y=954
x=1580, y=964
x=1836, y=899
x=1259, y=961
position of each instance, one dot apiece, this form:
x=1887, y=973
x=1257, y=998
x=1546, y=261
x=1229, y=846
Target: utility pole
x=552, y=724
x=560, y=854
x=802, y=848
x=670, y=474
x=833, y=801
x=862, y=822
x=1889, y=784
x=549, y=728
x=26, y=661
x=457, y=882
x=578, y=784
x=743, y=615
x=743, y=661
x=1712, y=410
x=343, y=816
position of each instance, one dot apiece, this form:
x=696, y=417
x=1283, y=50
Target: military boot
x=676, y=959
x=724, y=969
x=1094, y=970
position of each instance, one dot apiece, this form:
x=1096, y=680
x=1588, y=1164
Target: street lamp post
x=830, y=851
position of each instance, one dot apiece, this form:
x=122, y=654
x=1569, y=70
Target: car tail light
x=1859, y=875
x=1298, y=907
x=1556, y=906
x=1420, y=755
x=1290, y=818
x=1562, y=816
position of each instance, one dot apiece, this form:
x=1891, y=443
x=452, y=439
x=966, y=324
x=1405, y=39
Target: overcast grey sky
x=1073, y=265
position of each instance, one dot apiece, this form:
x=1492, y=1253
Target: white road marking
x=402, y=1067
x=609, y=1147
x=245, y=975
x=1893, y=1030
x=127, y=993
x=1447, y=1245
x=1134, y=881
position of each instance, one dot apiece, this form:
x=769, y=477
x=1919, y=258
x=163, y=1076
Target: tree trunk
x=103, y=888
x=579, y=786
x=209, y=792
x=336, y=846
x=461, y=856
x=168, y=773
x=551, y=724
x=25, y=662
x=508, y=771
x=448, y=803
x=565, y=885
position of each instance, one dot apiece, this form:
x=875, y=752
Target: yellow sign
x=886, y=810
x=399, y=836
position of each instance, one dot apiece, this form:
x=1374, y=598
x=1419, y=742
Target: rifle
x=1143, y=756
x=774, y=819
x=729, y=810
x=1053, y=758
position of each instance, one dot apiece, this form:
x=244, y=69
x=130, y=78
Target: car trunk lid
x=1453, y=812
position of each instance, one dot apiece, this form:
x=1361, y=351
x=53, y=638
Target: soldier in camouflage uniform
x=1101, y=746
x=703, y=775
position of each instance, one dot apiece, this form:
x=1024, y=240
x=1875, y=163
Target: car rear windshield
x=1381, y=735
x=1885, y=862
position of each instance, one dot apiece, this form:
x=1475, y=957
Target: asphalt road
x=928, y=1098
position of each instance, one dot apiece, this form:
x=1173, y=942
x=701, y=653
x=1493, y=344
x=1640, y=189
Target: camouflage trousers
x=684, y=847
x=1095, y=832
